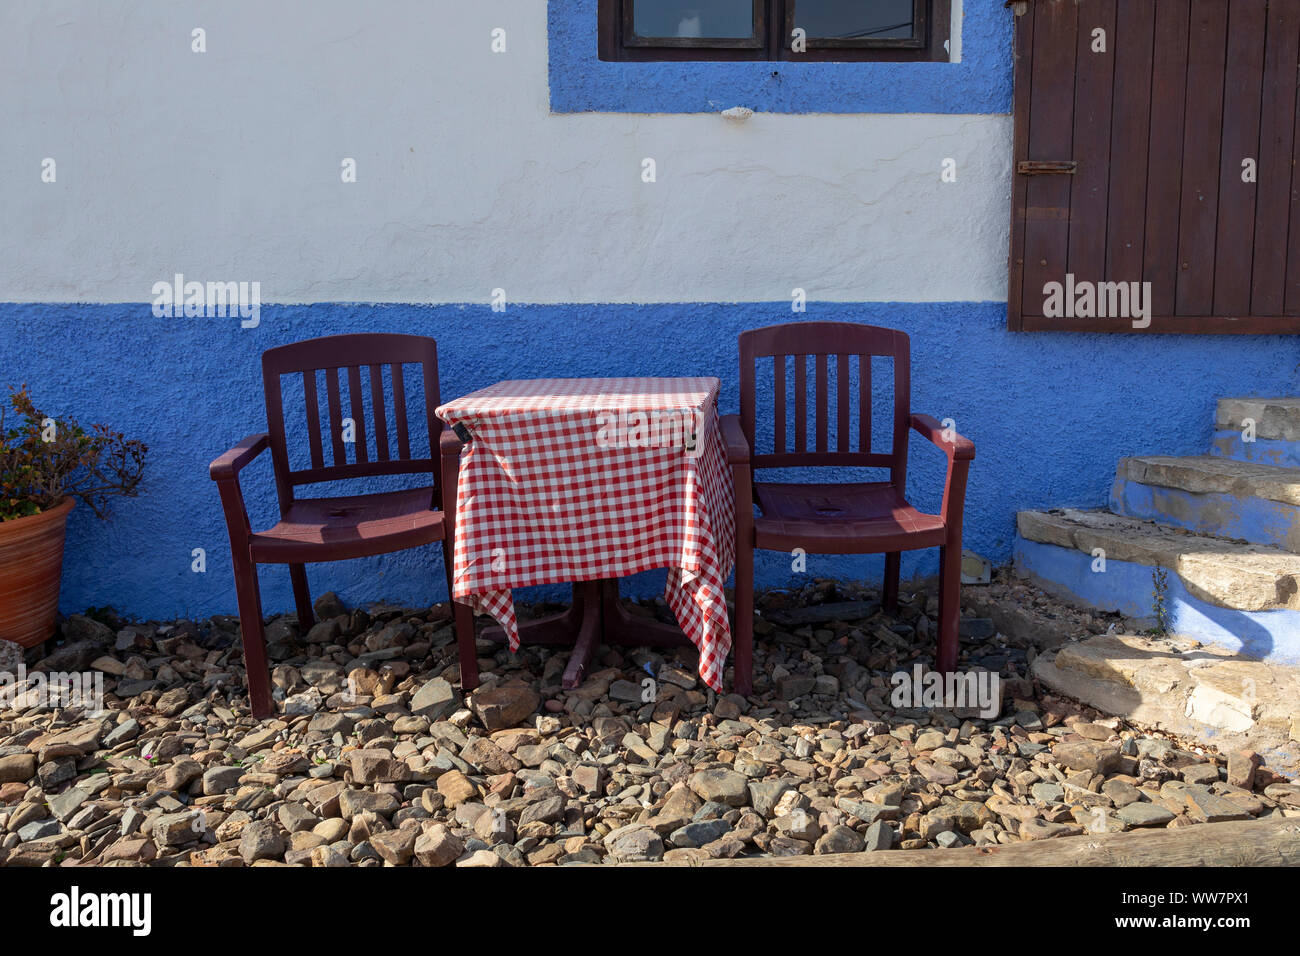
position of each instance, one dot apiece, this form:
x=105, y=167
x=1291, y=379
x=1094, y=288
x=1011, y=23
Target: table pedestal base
x=595, y=616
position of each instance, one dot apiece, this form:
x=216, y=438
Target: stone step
x=1276, y=431
x=1206, y=693
x=1230, y=594
x=1229, y=574
x=1212, y=495
x=1274, y=417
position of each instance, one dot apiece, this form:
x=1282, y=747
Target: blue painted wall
x=1050, y=415
x=581, y=82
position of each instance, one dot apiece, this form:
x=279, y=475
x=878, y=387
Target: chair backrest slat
x=821, y=340
x=864, y=404
x=312, y=404
x=336, y=416
x=399, y=402
x=821, y=386
x=376, y=373
x=801, y=403
x=842, y=383
x=358, y=413
x=333, y=355
x=778, y=437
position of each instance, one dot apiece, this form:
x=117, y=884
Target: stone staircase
x=1224, y=526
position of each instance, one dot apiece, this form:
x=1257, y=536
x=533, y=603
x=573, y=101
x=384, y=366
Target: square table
x=587, y=480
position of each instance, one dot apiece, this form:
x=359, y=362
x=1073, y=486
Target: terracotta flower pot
x=31, y=565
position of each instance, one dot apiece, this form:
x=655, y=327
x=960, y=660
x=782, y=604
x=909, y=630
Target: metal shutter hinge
x=1033, y=167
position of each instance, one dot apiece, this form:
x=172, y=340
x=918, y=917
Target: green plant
x=1159, y=603
x=44, y=460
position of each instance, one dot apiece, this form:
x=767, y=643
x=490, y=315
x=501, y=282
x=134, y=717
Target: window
x=879, y=30
x=588, y=72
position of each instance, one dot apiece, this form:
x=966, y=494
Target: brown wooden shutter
x=1129, y=162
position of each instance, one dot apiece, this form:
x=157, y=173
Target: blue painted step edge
x=1257, y=520
x=1129, y=589
x=1261, y=451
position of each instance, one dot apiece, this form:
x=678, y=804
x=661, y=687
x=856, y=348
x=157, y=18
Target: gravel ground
x=376, y=758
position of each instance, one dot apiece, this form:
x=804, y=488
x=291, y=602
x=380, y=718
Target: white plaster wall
x=225, y=165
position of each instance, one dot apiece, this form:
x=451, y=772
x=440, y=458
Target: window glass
x=723, y=19
x=855, y=19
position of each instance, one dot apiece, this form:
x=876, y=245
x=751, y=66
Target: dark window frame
x=775, y=23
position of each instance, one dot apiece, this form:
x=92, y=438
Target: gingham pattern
x=542, y=498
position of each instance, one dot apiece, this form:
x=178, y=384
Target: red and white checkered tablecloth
x=591, y=478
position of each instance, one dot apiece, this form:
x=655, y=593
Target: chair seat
x=871, y=518
x=334, y=529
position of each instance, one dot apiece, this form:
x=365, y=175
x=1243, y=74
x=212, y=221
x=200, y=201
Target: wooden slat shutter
x=1155, y=142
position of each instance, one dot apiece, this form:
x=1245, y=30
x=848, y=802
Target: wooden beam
x=1274, y=841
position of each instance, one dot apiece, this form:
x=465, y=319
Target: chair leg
x=464, y=619
x=448, y=567
x=742, y=631
x=892, y=564
x=253, y=634
x=302, y=597
x=949, y=606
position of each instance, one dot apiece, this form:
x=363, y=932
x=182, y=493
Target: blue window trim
x=581, y=82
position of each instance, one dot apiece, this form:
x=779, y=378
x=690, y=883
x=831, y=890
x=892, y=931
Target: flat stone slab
x=1206, y=474
x=1220, y=571
x=1144, y=815
x=1178, y=686
x=1212, y=808
x=824, y=613
x=1276, y=419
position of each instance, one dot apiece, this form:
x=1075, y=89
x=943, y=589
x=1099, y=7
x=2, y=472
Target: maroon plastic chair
x=338, y=528
x=848, y=518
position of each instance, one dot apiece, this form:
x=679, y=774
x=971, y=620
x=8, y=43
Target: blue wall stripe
x=1050, y=415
